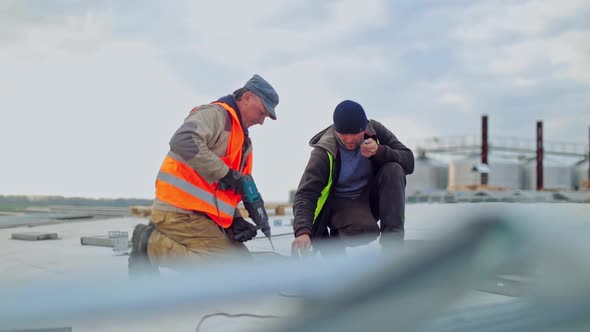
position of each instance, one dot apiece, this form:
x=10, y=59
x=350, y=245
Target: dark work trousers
x=354, y=221
x=388, y=199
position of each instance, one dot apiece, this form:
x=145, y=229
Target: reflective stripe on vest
x=192, y=189
x=180, y=185
x=326, y=191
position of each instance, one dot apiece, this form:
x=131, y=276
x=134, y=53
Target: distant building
x=504, y=173
x=429, y=174
x=580, y=173
x=556, y=175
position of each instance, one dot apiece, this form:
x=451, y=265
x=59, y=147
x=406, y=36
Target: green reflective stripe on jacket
x=326, y=191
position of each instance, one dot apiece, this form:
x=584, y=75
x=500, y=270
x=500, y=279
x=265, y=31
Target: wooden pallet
x=141, y=211
x=477, y=187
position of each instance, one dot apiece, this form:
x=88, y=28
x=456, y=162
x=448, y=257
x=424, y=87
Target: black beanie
x=349, y=118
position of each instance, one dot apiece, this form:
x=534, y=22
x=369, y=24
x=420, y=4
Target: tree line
x=19, y=202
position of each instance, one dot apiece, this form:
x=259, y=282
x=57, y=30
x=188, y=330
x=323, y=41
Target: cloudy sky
x=91, y=91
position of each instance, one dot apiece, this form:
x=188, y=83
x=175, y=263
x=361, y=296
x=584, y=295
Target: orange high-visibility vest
x=180, y=185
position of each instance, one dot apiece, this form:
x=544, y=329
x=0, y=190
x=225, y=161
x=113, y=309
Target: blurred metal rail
x=373, y=292
x=516, y=145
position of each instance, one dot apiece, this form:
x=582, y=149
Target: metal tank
x=580, y=173
x=556, y=175
x=429, y=175
x=505, y=173
x=462, y=173
x=443, y=175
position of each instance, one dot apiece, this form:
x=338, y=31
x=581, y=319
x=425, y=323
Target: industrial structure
x=581, y=174
x=429, y=174
x=499, y=163
x=500, y=172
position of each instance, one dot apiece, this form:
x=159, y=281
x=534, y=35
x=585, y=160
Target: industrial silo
x=462, y=173
x=443, y=176
x=580, y=173
x=556, y=175
x=429, y=174
x=504, y=173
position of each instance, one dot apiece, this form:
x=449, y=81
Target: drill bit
x=271, y=245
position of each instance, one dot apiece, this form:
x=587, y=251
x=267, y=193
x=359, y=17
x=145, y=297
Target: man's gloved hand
x=231, y=180
x=242, y=230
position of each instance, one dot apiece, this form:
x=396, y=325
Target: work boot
x=139, y=262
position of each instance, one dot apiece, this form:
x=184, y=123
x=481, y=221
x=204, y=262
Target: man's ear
x=249, y=95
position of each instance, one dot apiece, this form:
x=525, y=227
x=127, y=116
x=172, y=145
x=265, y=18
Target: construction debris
x=141, y=211
x=476, y=187
x=278, y=208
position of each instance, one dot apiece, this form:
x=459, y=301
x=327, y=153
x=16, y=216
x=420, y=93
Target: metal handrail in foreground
x=371, y=292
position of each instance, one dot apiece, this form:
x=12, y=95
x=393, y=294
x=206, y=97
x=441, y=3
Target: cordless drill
x=255, y=205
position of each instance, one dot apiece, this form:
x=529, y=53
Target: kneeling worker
x=201, y=182
x=356, y=175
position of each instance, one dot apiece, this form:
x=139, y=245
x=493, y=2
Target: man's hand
x=231, y=180
x=369, y=148
x=301, y=246
x=242, y=230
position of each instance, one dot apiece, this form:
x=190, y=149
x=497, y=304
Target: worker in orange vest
x=194, y=214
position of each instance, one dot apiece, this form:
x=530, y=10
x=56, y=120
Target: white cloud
x=407, y=128
x=352, y=14
x=458, y=101
x=570, y=50
x=490, y=20
x=520, y=82
x=84, y=33
x=90, y=124
x=251, y=39
x=533, y=42
x=451, y=93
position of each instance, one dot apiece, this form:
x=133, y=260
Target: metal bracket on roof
x=120, y=242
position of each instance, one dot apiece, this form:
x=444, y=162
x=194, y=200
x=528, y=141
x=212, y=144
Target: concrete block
x=34, y=236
